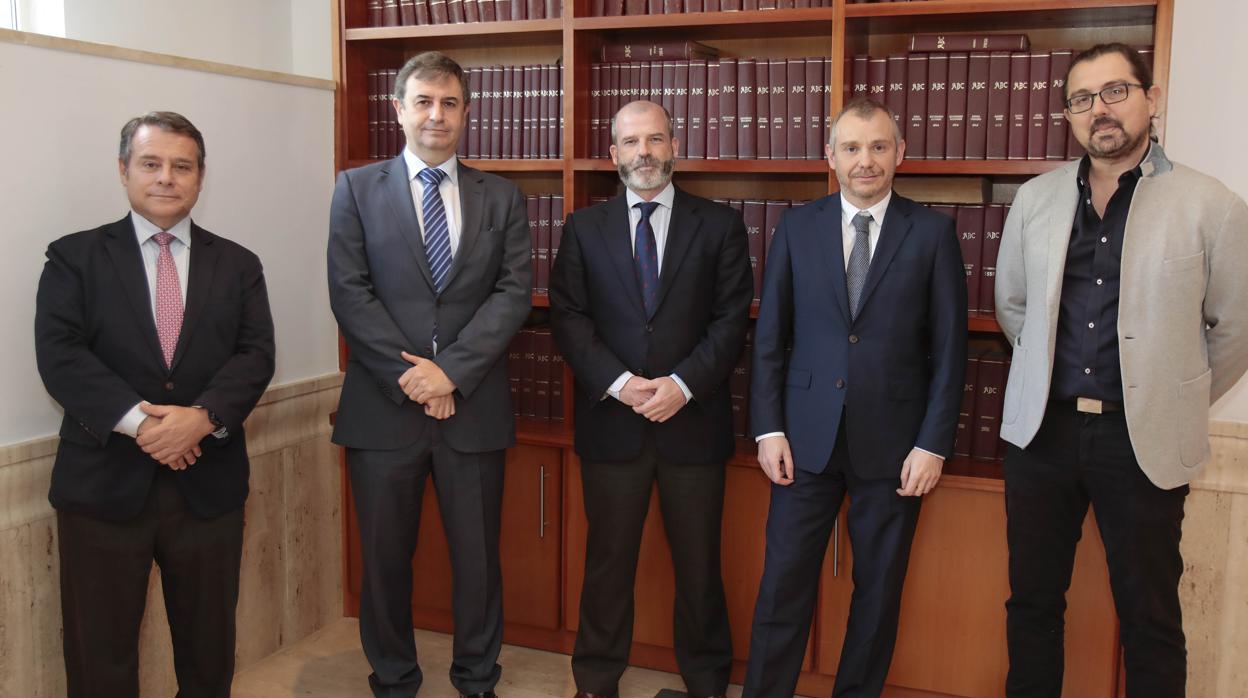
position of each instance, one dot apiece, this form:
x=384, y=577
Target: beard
x=656, y=179
x=1112, y=145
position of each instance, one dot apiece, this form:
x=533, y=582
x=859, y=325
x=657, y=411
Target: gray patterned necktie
x=859, y=262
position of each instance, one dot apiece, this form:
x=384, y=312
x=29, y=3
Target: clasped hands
x=427, y=384
x=656, y=399
x=170, y=434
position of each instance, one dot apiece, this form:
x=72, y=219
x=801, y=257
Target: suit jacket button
x=840, y=383
x=428, y=350
x=853, y=339
x=650, y=328
x=169, y=385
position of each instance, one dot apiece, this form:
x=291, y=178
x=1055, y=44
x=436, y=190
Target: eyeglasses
x=1110, y=95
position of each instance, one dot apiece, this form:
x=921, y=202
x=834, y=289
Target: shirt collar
x=848, y=210
x=415, y=165
x=145, y=229
x=665, y=197
x=1149, y=165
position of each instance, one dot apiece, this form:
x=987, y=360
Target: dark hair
x=638, y=104
x=170, y=121
x=430, y=64
x=1139, y=68
x=864, y=108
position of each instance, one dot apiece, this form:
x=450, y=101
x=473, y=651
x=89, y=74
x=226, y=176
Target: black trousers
x=799, y=524
x=1076, y=459
x=388, y=487
x=617, y=496
x=104, y=577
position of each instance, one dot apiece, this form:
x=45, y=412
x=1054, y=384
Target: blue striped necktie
x=646, y=257
x=437, y=234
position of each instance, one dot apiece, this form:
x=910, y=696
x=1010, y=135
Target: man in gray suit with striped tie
x=429, y=279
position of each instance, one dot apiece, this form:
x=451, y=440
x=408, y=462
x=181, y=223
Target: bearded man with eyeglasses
x=1121, y=284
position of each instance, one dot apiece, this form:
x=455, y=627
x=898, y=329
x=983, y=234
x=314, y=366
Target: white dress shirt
x=659, y=221
x=848, y=233
x=449, y=188
x=180, y=248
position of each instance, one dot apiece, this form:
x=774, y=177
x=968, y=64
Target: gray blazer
x=381, y=292
x=1182, y=312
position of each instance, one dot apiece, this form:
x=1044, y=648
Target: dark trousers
x=1075, y=459
x=388, y=487
x=104, y=577
x=799, y=524
x=617, y=496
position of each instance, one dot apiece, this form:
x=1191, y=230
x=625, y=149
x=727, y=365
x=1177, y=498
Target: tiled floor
x=330, y=664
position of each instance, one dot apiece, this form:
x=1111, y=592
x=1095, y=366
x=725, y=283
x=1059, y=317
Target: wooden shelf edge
x=719, y=166
x=436, y=31
x=540, y=432
x=959, y=7
x=510, y=165
x=705, y=19
x=979, y=167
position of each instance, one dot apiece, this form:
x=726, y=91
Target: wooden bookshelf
x=959, y=553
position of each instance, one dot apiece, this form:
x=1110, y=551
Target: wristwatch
x=220, y=432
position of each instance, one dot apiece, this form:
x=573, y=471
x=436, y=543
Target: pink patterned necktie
x=168, y=298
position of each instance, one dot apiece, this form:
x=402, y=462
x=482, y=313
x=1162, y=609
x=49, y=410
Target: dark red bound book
x=455, y=10
x=613, y=8
x=519, y=9
x=775, y=209
x=507, y=98
x=730, y=5
x=376, y=16
x=710, y=5
x=712, y=110
x=422, y=13
x=439, y=13
x=877, y=75
x=895, y=89
x=916, y=106
x=738, y=394
x=556, y=226
x=614, y=102
x=654, y=7
x=635, y=7
x=597, y=107
x=536, y=9
x=766, y=4
x=998, y=105
x=556, y=147
x=556, y=385
x=681, y=99
x=828, y=114
x=395, y=141
x=487, y=10
x=937, y=101
x=543, y=244
x=747, y=104
x=656, y=50
x=969, y=42
x=971, y=239
x=816, y=104
x=532, y=210
x=1020, y=95
x=695, y=143
x=515, y=369
x=494, y=108
x=407, y=12
x=988, y=401
x=673, y=7
x=994, y=223
x=374, y=114
x=754, y=213
x=1038, y=106
x=472, y=11
x=859, y=84
x=502, y=10
x=749, y=4
x=1055, y=138
x=966, y=413
x=531, y=123
x=474, y=114
x=643, y=80
x=543, y=346
x=540, y=109
x=694, y=6
x=778, y=70
x=528, y=406
x=978, y=122
x=668, y=95
x=728, y=102
x=1002, y=445
x=795, y=84
x=390, y=13
x=762, y=109
x=955, y=108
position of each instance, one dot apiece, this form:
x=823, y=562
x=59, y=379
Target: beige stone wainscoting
x=292, y=552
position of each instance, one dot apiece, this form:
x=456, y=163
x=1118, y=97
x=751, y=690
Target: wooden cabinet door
x=531, y=541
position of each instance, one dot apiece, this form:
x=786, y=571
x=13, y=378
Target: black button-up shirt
x=1086, y=361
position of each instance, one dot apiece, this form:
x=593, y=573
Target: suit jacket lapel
x=399, y=196
x=620, y=249
x=828, y=236
x=123, y=250
x=471, y=205
x=1060, y=218
x=681, y=227
x=202, y=271
x=896, y=228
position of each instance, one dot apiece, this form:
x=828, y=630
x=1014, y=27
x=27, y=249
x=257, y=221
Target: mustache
x=644, y=161
x=1106, y=121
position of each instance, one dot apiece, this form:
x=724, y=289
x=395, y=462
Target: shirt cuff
x=129, y=424
x=683, y=388
x=768, y=435
x=618, y=385
x=929, y=452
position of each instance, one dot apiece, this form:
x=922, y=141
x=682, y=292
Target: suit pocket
x=1178, y=265
x=798, y=378
x=1014, y=386
x=1193, y=418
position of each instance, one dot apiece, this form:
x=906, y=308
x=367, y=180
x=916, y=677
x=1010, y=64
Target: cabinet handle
x=836, y=547
x=541, y=504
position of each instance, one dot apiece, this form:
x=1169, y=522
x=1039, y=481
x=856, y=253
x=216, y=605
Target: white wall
x=268, y=185
x=1206, y=105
